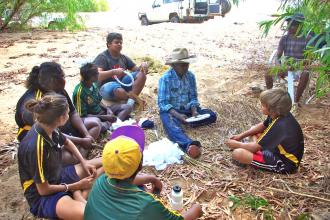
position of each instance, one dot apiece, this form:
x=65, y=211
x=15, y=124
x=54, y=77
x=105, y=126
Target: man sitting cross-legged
x=112, y=63
x=177, y=100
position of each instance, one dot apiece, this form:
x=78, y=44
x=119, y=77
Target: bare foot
x=194, y=151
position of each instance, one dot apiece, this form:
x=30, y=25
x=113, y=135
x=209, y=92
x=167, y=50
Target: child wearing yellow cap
x=116, y=195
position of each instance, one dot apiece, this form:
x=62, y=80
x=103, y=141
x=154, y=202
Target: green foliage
x=317, y=22
x=92, y=5
x=237, y=201
x=249, y=201
x=254, y=203
x=87, y=6
x=304, y=216
x=20, y=12
x=102, y=5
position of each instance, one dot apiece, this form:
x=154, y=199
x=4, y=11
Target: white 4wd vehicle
x=183, y=10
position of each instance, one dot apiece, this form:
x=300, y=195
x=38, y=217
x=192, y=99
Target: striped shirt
x=39, y=161
x=283, y=137
x=87, y=100
x=24, y=118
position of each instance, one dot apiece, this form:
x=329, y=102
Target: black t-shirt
x=105, y=61
x=39, y=160
x=23, y=117
x=283, y=136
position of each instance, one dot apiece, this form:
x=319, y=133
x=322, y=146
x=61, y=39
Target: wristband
x=66, y=187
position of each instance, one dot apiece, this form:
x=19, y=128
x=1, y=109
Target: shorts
x=46, y=206
x=267, y=160
x=107, y=90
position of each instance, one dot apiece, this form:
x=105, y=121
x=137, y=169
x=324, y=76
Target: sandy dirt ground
x=232, y=57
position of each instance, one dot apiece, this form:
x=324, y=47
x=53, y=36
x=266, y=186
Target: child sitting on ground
x=52, y=189
x=117, y=195
x=87, y=99
x=280, y=147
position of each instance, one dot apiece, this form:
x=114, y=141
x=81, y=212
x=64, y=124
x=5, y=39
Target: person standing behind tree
x=292, y=46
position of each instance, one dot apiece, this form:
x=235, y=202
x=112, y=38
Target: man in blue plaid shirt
x=177, y=100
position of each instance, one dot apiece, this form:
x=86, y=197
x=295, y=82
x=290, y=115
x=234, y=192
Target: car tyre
x=144, y=21
x=175, y=19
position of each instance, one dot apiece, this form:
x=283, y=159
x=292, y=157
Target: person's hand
x=232, y=143
x=109, y=111
x=119, y=72
x=182, y=117
x=110, y=118
x=86, y=183
x=194, y=212
x=194, y=113
x=144, y=67
x=156, y=185
x=198, y=209
x=90, y=137
x=87, y=142
x=89, y=169
x=236, y=137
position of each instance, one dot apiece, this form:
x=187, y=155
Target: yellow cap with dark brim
x=121, y=157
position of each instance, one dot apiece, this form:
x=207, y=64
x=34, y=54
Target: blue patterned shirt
x=176, y=92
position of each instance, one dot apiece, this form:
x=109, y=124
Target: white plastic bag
x=120, y=123
x=162, y=153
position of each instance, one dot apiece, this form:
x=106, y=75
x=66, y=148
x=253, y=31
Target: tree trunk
x=18, y=4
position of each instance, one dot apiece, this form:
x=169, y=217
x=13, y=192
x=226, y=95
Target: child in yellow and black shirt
x=87, y=99
x=279, y=141
x=52, y=189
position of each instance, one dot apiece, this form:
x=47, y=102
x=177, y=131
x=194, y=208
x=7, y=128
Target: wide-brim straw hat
x=180, y=55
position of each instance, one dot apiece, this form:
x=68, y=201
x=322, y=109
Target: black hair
x=138, y=169
x=87, y=71
x=112, y=36
x=44, y=75
x=49, y=108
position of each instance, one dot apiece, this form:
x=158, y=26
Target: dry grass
x=213, y=178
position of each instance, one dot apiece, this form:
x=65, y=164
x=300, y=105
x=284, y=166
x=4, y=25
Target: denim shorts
x=46, y=206
x=107, y=90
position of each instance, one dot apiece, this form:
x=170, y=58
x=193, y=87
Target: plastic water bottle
x=177, y=198
x=291, y=85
